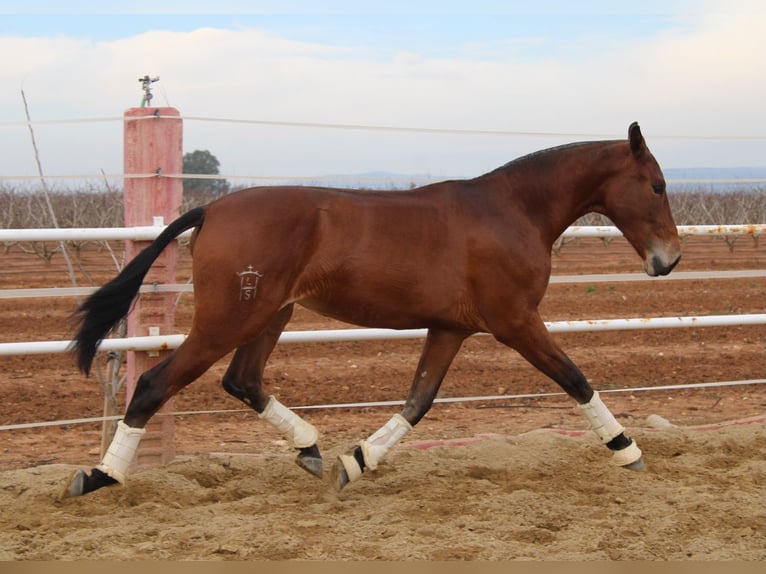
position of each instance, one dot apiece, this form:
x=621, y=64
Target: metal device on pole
x=146, y=86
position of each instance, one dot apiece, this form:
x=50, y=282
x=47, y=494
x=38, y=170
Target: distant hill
x=715, y=178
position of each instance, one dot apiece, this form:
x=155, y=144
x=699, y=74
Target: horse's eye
x=659, y=188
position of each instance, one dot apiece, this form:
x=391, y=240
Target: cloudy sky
x=692, y=72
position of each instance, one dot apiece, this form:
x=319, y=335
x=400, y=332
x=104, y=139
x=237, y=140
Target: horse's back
x=395, y=259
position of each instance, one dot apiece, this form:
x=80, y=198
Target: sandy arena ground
x=514, y=479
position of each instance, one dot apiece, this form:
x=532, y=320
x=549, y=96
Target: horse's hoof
x=347, y=469
x=629, y=457
x=311, y=464
x=74, y=486
x=310, y=459
x=80, y=483
x=339, y=476
x=636, y=465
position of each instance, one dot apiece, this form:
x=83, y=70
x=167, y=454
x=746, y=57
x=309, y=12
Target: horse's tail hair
x=103, y=309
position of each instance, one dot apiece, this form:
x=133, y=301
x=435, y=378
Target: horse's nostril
x=659, y=265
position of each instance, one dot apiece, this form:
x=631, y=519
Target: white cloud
x=722, y=62
x=705, y=77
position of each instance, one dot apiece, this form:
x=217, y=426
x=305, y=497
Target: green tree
x=202, y=162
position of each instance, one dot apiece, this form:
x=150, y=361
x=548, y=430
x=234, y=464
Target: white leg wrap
x=379, y=443
x=601, y=420
x=353, y=470
x=296, y=431
x=628, y=455
x=121, y=451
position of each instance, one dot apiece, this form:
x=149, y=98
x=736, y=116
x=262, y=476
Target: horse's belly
x=394, y=314
x=364, y=315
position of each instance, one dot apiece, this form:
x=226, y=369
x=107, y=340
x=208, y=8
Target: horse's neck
x=560, y=186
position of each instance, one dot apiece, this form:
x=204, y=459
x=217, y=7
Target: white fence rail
x=151, y=343
x=173, y=341
x=150, y=232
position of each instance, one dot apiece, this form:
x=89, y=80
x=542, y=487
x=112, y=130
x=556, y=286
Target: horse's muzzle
x=657, y=266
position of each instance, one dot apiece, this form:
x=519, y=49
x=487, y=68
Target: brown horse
x=455, y=257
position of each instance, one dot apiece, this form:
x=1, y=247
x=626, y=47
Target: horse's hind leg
x=243, y=380
x=153, y=389
x=536, y=345
x=439, y=350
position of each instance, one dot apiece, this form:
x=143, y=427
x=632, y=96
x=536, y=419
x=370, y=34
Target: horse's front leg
x=439, y=350
x=537, y=346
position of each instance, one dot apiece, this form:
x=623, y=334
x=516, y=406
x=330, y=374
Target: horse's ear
x=637, y=143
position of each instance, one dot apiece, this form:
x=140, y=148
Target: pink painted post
x=153, y=144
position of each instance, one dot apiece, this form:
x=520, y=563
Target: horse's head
x=635, y=199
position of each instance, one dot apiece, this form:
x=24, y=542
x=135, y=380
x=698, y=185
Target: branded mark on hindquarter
x=248, y=283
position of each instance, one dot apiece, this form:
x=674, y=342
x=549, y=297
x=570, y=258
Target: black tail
x=104, y=309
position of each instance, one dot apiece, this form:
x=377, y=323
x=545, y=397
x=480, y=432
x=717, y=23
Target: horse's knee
x=250, y=394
